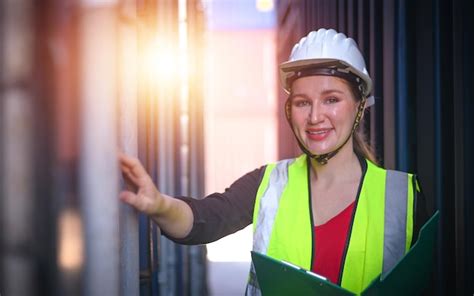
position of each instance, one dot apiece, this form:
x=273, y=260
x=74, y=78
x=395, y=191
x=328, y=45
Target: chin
x=319, y=151
x=320, y=147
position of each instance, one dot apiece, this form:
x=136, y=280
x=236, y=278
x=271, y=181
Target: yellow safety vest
x=380, y=231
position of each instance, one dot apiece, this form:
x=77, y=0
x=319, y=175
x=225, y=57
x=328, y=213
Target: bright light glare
x=70, y=240
x=265, y=5
x=160, y=63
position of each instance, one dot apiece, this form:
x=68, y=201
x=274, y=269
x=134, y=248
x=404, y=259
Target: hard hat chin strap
x=324, y=158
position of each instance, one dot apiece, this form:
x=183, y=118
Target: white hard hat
x=327, y=49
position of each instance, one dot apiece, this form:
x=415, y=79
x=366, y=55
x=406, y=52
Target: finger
x=129, y=182
x=133, y=165
x=126, y=196
x=130, y=199
x=138, y=202
x=130, y=177
x=134, y=170
x=127, y=160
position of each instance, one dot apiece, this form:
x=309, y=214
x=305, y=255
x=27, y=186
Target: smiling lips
x=318, y=134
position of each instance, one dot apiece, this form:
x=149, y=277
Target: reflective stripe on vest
x=375, y=244
x=269, y=204
x=278, y=177
x=396, y=199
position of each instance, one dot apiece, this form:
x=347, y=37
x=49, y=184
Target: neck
x=345, y=164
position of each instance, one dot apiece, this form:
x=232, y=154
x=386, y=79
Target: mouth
x=318, y=134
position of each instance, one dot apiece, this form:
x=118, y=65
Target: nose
x=315, y=116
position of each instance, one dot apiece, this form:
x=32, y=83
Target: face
x=323, y=110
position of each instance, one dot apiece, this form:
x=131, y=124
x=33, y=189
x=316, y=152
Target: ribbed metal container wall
x=74, y=91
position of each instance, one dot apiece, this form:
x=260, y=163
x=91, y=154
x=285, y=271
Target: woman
x=332, y=210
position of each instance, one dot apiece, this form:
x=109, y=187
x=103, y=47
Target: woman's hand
x=142, y=193
x=172, y=215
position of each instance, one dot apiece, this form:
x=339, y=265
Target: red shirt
x=329, y=242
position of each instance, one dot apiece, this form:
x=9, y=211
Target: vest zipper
x=363, y=164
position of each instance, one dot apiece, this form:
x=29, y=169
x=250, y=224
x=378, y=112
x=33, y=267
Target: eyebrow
x=324, y=92
x=328, y=91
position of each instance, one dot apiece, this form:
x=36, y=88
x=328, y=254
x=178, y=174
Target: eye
x=301, y=102
x=331, y=100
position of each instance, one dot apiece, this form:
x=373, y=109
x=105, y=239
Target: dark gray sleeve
x=221, y=214
x=420, y=211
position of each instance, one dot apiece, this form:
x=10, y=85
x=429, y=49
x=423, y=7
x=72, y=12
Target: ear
x=288, y=109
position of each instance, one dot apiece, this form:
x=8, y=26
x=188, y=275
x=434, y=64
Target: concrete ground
x=227, y=278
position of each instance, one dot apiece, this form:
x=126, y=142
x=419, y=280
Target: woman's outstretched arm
x=172, y=215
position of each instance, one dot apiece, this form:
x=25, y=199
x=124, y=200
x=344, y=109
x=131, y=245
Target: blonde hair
x=359, y=142
x=361, y=146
